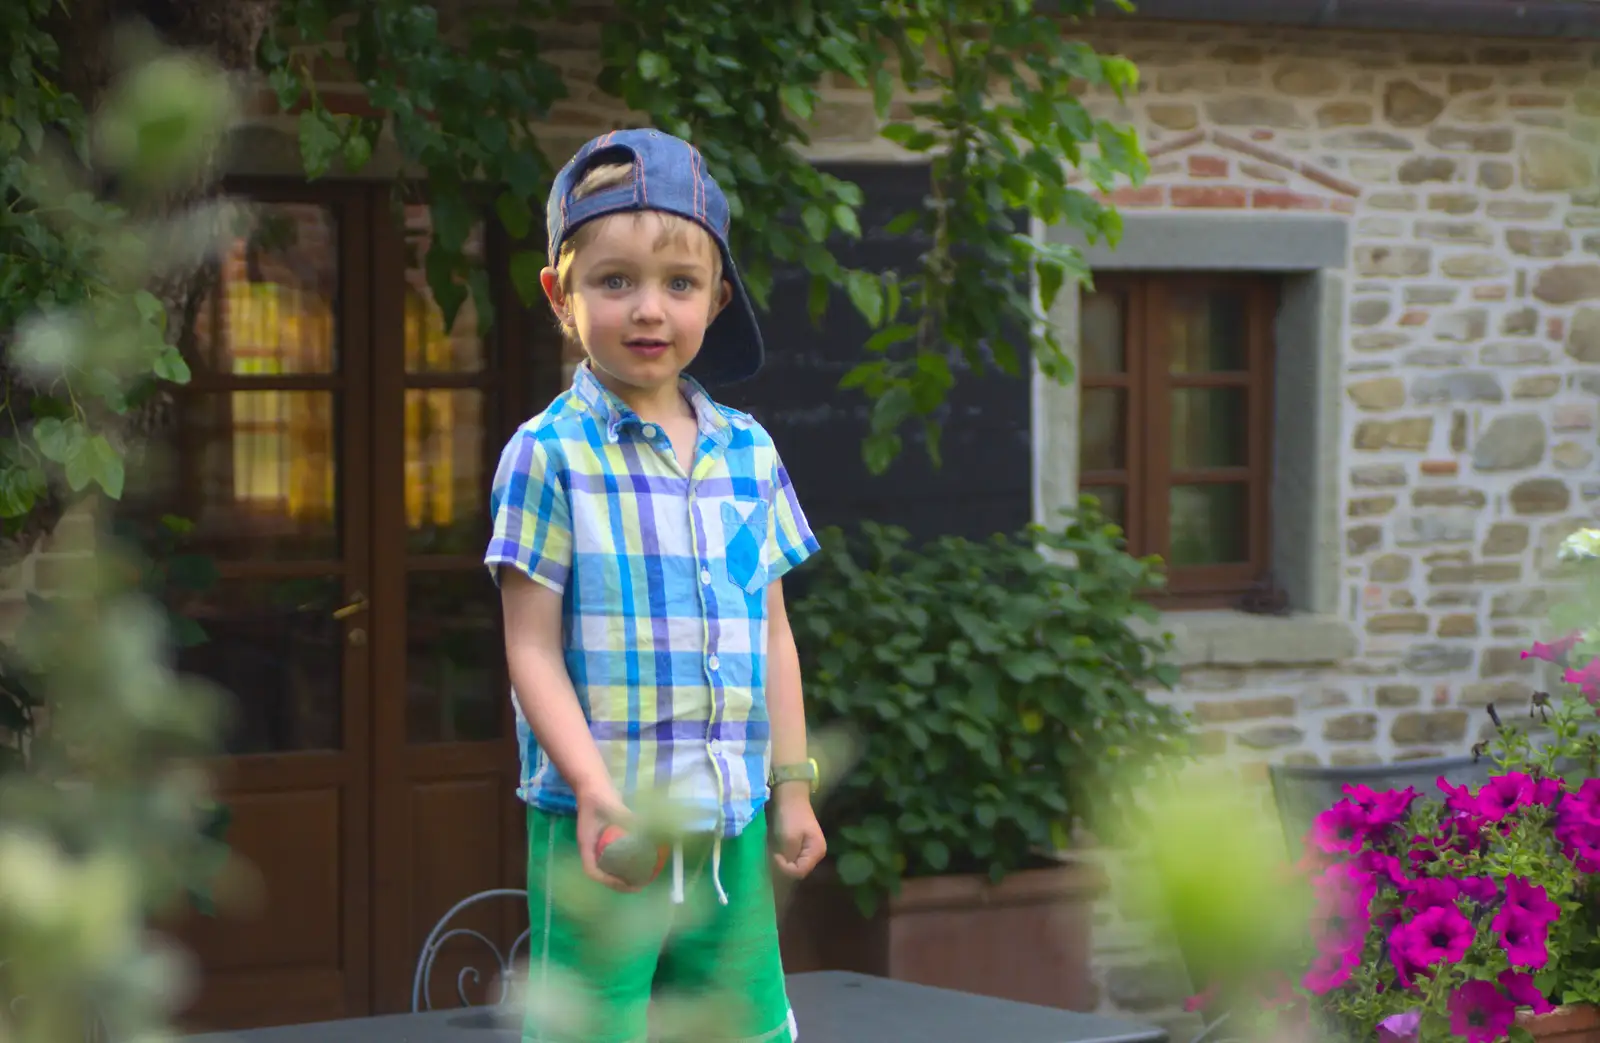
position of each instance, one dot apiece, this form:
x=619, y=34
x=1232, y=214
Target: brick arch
x=1216, y=170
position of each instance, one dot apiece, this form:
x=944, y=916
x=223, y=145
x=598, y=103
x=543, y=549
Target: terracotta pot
x=1026, y=938
x=1579, y=1024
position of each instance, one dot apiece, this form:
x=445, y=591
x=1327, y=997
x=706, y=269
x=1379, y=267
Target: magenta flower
x=1342, y=828
x=1331, y=970
x=1481, y=889
x=1532, y=899
x=1587, y=679
x=1546, y=792
x=1344, y=882
x=1503, y=794
x=1202, y=1000
x=1382, y=867
x=1522, y=992
x=1434, y=936
x=1341, y=924
x=1556, y=651
x=1523, y=937
x=1400, y=1028
x=1382, y=808
x=1431, y=891
x=1480, y=1014
x=1577, y=826
x=1405, y=972
x=1457, y=798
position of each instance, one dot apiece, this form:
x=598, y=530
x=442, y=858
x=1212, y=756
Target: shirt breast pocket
x=744, y=530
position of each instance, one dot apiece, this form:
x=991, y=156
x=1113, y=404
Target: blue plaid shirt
x=664, y=577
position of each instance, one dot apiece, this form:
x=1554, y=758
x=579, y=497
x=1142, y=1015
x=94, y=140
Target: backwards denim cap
x=669, y=175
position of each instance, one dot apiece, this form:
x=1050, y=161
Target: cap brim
x=732, y=350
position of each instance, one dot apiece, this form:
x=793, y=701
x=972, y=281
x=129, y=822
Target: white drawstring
x=716, y=869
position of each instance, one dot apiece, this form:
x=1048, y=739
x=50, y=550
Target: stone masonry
x=1471, y=366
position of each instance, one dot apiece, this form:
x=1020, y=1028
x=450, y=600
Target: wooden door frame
x=267, y=772
x=508, y=351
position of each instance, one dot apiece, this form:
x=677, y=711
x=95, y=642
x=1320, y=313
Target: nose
x=647, y=305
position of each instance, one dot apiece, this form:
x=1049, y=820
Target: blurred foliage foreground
x=107, y=830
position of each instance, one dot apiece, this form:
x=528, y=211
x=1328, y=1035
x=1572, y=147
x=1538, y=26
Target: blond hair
x=675, y=230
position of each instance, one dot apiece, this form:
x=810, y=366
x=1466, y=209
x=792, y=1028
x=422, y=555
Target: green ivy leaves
x=88, y=340
x=996, y=117
x=85, y=457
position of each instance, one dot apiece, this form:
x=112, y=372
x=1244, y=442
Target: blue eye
x=614, y=282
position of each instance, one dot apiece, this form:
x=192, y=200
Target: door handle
x=358, y=604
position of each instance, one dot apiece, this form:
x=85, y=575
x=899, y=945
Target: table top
x=829, y=1006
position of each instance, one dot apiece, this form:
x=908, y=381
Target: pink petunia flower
x=1431, y=891
x=1341, y=828
x=1457, y=798
x=1331, y=970
x=1547, y=792
x=1405, y=972
x=1440, y=935
x=1400, y=1028
x=1523, y=937
x=1532, y=899
x=1522, y=992
x=1556, y=651
x=1382, y=808
x=1503, y=794
x=1381, y=866
x=1587, y=679
x=1480, y=889
x=1344, y=882
x=1202, y=1001
x=1480, y=1014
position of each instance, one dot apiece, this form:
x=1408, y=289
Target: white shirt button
x=705, y=576
x=713, y=662
x=649, y=432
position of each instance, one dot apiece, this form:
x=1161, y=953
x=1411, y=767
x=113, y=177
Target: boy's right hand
x=598, y=808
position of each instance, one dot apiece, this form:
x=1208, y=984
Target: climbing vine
x=987, y=91
x=997, y=114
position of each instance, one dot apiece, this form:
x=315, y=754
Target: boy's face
x=640, y=293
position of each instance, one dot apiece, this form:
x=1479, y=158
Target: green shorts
x=609, y=967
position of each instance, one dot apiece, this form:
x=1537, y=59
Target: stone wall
x=1471, y=367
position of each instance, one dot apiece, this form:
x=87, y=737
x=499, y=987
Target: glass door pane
x=455, y=690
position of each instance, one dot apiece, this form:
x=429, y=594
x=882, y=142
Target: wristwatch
x=806, y=772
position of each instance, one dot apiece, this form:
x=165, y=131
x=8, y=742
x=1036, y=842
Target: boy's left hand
x=800, y=843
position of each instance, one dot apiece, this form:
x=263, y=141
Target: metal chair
x=443, y=933
x=95, y=1029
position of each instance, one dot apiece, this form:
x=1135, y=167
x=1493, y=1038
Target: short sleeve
x=531, y=514
x=790, y=539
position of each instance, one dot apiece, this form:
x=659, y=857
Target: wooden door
x=272, y=465
x=447, y=823
x=335, y=451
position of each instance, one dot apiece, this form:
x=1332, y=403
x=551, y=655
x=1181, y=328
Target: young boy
x=647, y=530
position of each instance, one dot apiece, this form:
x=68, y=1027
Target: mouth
x=646, y=345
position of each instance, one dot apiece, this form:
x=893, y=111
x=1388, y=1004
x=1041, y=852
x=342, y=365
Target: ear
x=722, y=299
x=556, y=296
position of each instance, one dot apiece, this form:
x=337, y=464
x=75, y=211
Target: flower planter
x=1579, y=1024
x=1026, y=938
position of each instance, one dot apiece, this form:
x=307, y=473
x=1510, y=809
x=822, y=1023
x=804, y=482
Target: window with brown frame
x=1176, y=425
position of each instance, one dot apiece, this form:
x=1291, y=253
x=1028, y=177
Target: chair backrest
x=95, y=1029
x=442, y=933
x=1302, y=793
